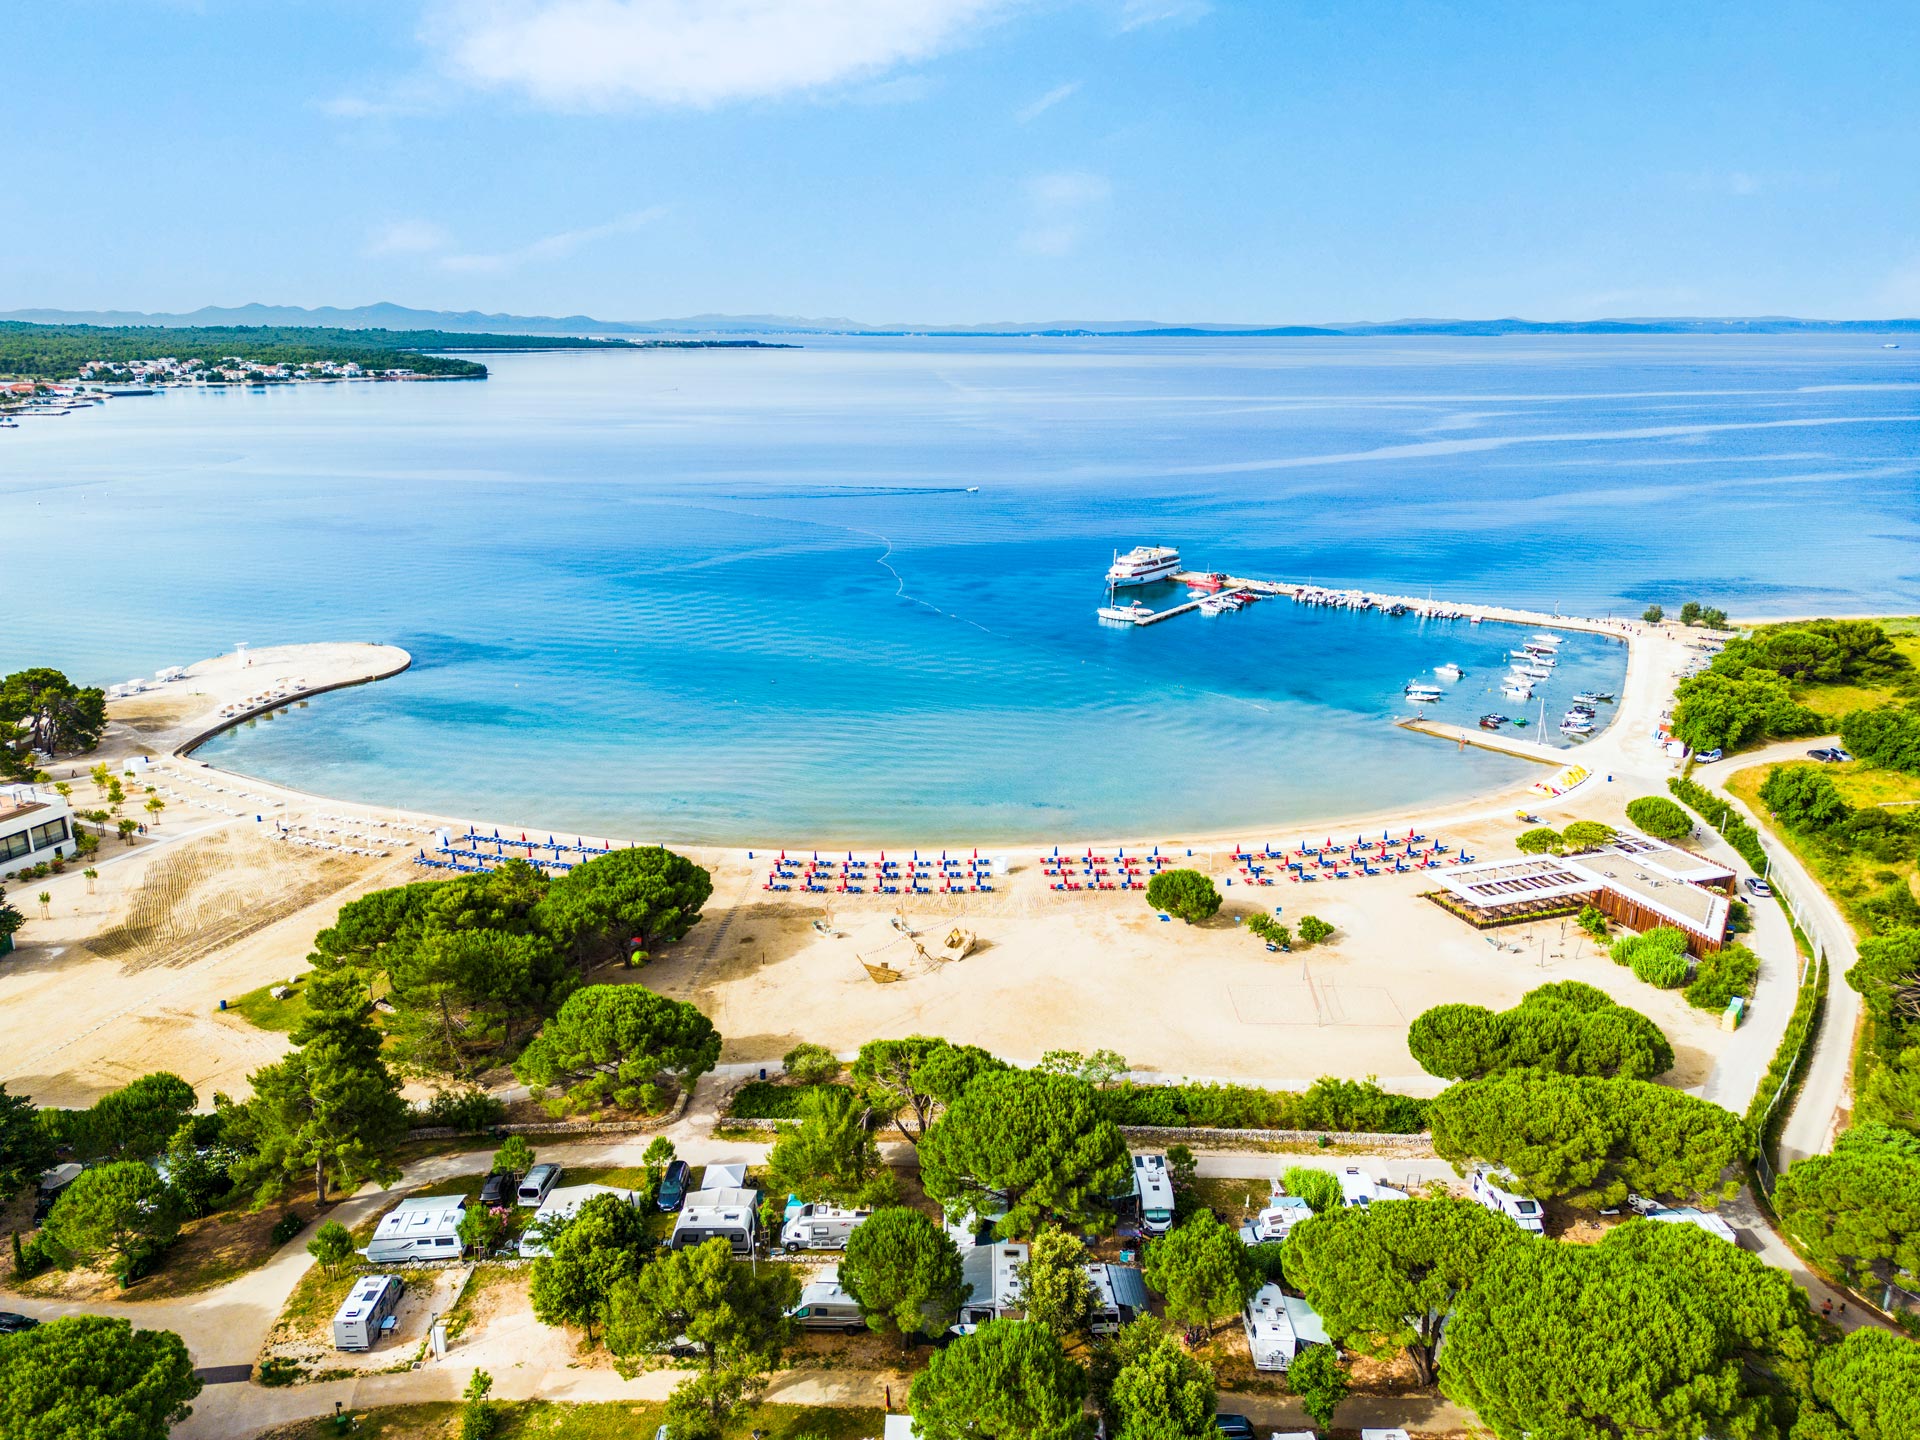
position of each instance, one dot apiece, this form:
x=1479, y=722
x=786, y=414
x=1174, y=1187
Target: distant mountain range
x=400, y=317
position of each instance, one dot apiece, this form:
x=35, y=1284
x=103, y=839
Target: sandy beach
x=211, y=905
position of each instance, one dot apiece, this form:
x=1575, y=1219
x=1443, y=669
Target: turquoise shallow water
x=724, y=596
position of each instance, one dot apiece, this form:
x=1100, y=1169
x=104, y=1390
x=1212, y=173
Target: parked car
x=1757, y=886
x=673, y=1186
x=1833, y=755
x=12, y=1323
x=1234, y=1427
x=499, y=1189
x=1707, y=757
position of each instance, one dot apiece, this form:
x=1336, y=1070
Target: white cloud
x=1028, y=113
x=1137, y=13
x=601, y=54
x=552, y=247
x=1062, y=204
x=407, y=237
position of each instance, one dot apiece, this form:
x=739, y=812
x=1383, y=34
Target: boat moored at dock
x=1143, y=565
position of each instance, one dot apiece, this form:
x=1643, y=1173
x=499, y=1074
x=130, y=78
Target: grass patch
x=1848, y=875
x=260, y=1010
x=612, y=1420
x=769, y=1100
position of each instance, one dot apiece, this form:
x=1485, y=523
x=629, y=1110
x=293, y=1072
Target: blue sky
x=966, y=160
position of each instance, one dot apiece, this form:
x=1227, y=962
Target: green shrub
x=1542, y=840
x=1720, y=976
x=765, y=1100
x=1327, y=1104
x=1791, y=1051
x=1659, y=817
x=287, y=1226
x=1271, y=931
x=1721, y=815
x=1659, y=956
x=810, y=1064
x=1313, y=930
x=1803, y=797
x=470, y=1111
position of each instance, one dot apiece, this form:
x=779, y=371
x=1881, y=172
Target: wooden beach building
x=1637, y=881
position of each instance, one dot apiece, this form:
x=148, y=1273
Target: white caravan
x=732, y=1215
x=1121, y=1296
x=423, y=1228
x=558, y=1208
x=1358, y=1188
x=1279, y=1326
x=1276, y=1221
x=992, y=1273
x=1489, y=1187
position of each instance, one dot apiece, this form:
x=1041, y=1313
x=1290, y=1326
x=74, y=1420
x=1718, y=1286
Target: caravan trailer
x=1359, y=1188
x=558, y=1208
x=824, y=1305
x=1276, y=1221
x=819, y=1227
x=992, y=1273
x=426, y=1227
x=1489, y=1187
x=1153, y=1189
x=357, y=1324
x=731, y=1215
x=1120, y=1297
x=1279, y=1327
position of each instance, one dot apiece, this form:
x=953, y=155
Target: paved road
x=1826, y=1091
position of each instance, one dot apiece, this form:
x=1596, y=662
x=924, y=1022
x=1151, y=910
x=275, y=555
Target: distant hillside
x=481, y=330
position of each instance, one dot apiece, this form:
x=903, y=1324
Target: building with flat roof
x=1638, y=881
x=32, y=829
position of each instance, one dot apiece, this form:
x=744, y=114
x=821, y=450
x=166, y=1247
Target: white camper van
x=1153, y=1188
x=730, y=1215
x=825, y=1306
x=819, y=1227
x=558, y=1208
x=1489, y=1187
x=1359, y=1188
x=992, y=1273
x=1279, y=1327
x=357, y=1324
x=425, y=1227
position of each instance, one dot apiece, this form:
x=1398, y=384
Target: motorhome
x=1279, y=1326
x=992, y=1275
x=425, y=1227
x=557, y=1209
x=358, y=1323
x=1153, y=1189
x=819, y=1226
x=1359, y=1188
x=732, y=1176
x=824, y=1305
x=1490, y=1188
x=51, y=1184
x=973, y=1228
x=1120, y=1297
x=726, y=1214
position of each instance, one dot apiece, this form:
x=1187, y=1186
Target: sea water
x=740, y=596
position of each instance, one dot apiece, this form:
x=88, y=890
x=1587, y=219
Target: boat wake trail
x=900, y=584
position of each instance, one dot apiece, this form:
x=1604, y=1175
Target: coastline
x=1643, y=697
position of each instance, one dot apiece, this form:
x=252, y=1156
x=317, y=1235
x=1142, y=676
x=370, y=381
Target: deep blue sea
x=747, y=596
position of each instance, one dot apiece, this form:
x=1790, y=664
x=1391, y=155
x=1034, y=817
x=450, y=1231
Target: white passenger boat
x=1448, y=671
x=1143, y=565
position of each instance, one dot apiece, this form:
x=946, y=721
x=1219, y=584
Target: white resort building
x=32, y=829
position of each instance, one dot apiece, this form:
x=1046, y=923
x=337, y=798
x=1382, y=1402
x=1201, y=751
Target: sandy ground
x=128, y=978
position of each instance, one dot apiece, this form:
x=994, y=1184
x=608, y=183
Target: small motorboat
x=1448, y=671
x=1492, y=722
